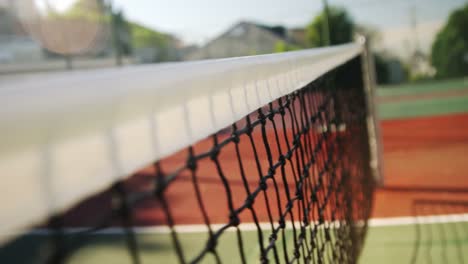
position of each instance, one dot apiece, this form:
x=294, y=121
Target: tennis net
x=258, y=159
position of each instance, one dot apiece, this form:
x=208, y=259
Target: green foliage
x=282, y=46
x=143, y=37
x=340, y=24
x=121, y=33
x=80, y=10
x=420, y=78
x=450, y=48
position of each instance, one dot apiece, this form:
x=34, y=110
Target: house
x=243, y=39
x=298, y=36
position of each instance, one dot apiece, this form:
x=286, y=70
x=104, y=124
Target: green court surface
x=423, y=87
x=442, y=243
x=153, y=248
x=384, y=244
x=424, y=106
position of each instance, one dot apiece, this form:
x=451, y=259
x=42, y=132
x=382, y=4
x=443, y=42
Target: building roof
x=277, y=31
x=242, y=39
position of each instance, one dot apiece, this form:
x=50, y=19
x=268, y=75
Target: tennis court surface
x=270, y=159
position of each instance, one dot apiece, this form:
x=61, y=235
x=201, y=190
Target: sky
x=198, y=21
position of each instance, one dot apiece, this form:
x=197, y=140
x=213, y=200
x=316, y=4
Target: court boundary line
x=409, y=220
x=265, y=226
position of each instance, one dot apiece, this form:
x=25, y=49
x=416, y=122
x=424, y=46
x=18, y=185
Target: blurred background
x=413, y=40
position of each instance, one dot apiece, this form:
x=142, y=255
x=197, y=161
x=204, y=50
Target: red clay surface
x=424, y=158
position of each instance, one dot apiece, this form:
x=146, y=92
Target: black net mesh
x=289, y=183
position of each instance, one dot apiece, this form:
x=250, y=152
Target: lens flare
x=67, y=27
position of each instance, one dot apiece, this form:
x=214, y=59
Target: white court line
x=374, y=222
x=199, y=228
x=409, y=220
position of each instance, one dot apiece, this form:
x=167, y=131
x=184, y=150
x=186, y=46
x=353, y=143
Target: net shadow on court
x=441, y=231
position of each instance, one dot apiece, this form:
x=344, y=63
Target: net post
x=373, y=125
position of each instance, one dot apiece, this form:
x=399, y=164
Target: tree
x=340, y=24
x=450, y=49
x=82, y=9
x=143, y=38
x=119, y=29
